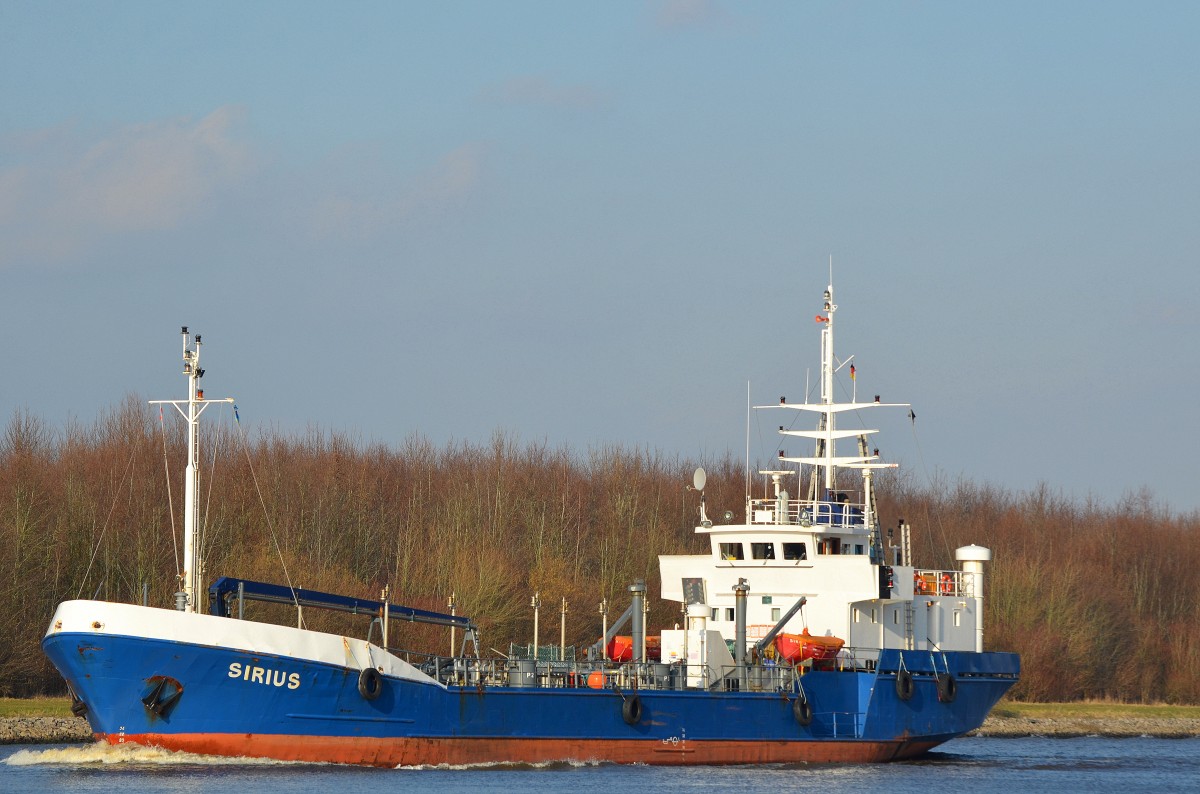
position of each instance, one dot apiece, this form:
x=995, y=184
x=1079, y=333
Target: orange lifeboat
x=620, y=649
x=795, y=648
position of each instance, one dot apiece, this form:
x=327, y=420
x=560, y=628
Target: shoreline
x=1116, y=726
x=44, y=730
x=73, y=730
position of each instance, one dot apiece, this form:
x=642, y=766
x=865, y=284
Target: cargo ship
x=806, y=634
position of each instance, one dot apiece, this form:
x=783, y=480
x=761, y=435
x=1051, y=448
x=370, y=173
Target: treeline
x=1099, y=600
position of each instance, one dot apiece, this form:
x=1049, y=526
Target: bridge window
x=763, y=551
x=795, y=551
x=732, y=551
x=830, y=546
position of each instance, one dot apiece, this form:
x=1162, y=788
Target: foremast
x=186, y=599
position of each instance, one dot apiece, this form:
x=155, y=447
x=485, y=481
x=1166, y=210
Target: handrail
x=227, y=588
x=809, y=512
x=943, y=582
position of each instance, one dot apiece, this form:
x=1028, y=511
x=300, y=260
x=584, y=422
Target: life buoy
x=631, y=710
x=370, y=683
x=947, y=688
x=904, y=685
x=919, y=585
x=947, y=584
x=803, y=712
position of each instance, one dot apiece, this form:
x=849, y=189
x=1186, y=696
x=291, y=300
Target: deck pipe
x=740, y=590
x=638, y=589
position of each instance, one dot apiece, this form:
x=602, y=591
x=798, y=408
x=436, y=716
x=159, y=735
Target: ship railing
x=766, y=677
x=929, y=581
x=808, y=513
x=849, y=659
x=543, y=653
x=840, y=724
x=835, y=514
x=652, y=675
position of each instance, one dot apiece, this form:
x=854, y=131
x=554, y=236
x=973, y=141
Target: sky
x=603, y=224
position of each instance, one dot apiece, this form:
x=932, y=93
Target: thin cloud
x=451, y=181
x=538, y=91
x=1171, y=313
x=678, y=14
x=65, y=192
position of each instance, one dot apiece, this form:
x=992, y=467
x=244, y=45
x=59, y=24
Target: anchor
x=155, y=701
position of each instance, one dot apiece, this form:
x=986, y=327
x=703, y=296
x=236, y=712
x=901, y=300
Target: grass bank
x=35, y=707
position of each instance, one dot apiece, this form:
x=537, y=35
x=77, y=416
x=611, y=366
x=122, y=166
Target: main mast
x=187, y=599
x=825, y=447
x=823, y=485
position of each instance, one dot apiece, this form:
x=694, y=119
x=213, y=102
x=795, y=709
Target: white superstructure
x=827, y=547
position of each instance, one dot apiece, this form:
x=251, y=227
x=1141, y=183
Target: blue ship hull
x=185, y=696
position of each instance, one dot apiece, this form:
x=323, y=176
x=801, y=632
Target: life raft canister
x=919, y=585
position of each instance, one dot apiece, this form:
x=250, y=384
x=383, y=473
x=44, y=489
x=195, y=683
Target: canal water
x=1014, y=766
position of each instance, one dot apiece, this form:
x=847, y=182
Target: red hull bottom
x=449, y=751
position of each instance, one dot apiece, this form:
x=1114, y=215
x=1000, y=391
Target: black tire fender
x=803, y=712
x=947, y=688
x=904, y=685
x=370, y=683
x=631, y=709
